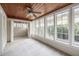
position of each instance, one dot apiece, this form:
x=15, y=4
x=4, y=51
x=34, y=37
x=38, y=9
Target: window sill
x=76, y=44
x=62, y=41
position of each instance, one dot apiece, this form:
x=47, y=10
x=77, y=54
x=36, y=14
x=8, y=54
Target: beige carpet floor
x=29, y=47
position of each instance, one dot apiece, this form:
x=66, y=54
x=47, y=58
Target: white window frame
x=60, y=12
x=33, y=23
x=37, y=25
x=46, y=17
x=31, y=28
x=74, y=43
x=71, y=25
x=40, y=26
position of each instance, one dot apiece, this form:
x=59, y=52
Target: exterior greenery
x=77, y=31
x=62, y=31
x=77, y=28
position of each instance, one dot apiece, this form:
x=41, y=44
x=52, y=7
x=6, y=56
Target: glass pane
x=14, y=24
x=41, y=27
x=62, y=26
x=33, y=27
x=50, y=27
x=76, y=24
x=37, y=26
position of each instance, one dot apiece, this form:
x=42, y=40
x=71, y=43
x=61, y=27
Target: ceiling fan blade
x=31, y=9
x=34, y=15
x=36, y=12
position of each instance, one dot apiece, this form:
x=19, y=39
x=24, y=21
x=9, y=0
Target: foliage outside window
x=76, y=24
x=62, y=25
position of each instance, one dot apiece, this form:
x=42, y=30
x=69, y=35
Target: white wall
x=3, y=29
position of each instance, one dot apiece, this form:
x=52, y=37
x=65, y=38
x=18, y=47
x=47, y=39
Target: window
x=37, y=27
x=15, y=24
x=24, y=25
x=50, y=27
x=34, y=28
x=65, y=29
x=76, y=24
x=62, y=25
x=31, y=28
x=21, y=25
x=41, y=27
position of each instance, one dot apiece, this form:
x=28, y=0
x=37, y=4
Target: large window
x=37, y=27
x=21, y=25
x=41, y=27
x=76, y=24
x=50, y=26
x=62, y=25
x=25, y=25
x=33, y=27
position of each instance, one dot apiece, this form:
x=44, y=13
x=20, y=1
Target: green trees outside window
x=77, y=31
x=76, y=24
x=62, y=25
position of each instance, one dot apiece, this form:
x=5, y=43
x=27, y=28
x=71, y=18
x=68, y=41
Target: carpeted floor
x=29, y=47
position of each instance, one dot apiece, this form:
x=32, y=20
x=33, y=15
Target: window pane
x=37, y=27
x=14, y=24
x=50, y=27
x=31, y=28
x=41, y=27
x=76, y=24
x=62, y=25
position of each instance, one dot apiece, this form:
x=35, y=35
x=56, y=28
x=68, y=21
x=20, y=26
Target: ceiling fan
x=31, y=12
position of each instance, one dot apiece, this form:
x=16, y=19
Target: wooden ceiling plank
x=16, y=10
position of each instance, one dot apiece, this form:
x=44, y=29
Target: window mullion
x=44, y=27
x=55, y=26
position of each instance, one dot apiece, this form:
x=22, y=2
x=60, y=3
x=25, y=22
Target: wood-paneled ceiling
x=18, y=10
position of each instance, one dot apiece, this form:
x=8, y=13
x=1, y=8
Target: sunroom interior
x=39, y=29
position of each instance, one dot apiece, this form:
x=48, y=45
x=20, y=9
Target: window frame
x=37, y=24
x=70, y=41
x=74, y=43
x=33, y=24
x=41, y=19
x=60, y=12
x=46, y=22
